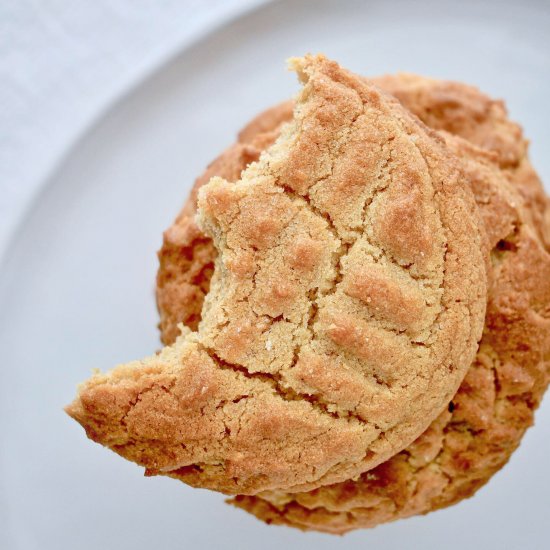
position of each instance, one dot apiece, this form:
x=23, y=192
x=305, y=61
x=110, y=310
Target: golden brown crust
x=450, y=106
x=486, y=419
x=464, y=111
x=503, y=387
x=186, y=259
x=354, y=181
x=461, y=110
x=495, y=403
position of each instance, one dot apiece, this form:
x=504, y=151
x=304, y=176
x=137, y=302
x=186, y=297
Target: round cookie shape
x=346, y=302
x=434, y=471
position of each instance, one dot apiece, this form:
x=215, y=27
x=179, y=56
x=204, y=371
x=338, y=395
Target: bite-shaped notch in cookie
x=234, y=406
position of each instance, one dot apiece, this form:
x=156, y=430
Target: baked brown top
x=485, y=421
x=464, y=111
x=307, y=368
x=469, y=442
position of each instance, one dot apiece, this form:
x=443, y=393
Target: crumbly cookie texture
x=494, y=406
x=345, y=306
x=464, y=111
x=187, y=254
x=486, y=419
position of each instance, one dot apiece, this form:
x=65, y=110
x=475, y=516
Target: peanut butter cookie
x=346, y=303
x=485, y=421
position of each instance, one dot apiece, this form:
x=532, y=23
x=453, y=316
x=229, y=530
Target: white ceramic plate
x=76, y=288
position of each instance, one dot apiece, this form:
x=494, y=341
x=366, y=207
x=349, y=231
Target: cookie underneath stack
x=340, y=304
x=484, y=423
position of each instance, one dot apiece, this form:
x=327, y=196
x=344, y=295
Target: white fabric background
x=69, y=302
x=62, y=62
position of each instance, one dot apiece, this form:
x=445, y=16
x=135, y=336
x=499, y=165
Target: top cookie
x=346, y=303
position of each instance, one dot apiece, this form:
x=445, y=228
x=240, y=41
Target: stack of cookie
x=355, y=302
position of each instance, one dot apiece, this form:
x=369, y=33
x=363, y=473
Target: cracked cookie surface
x=494, y=406
x=485, y=421
x=304, y=371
